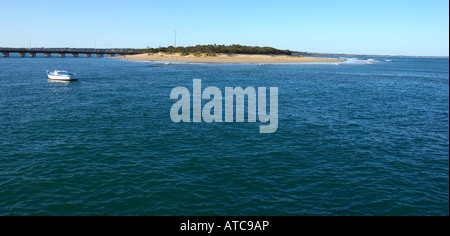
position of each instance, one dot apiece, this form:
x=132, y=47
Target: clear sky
x=394, y=27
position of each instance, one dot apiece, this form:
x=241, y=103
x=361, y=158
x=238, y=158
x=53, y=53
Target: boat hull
x=61, y=77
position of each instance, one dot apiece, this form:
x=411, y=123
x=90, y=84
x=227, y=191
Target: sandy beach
x=226, y=58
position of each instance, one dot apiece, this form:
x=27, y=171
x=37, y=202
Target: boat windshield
x=62, y=73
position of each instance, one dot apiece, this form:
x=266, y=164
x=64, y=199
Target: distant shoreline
x=226, y=58
x=362, y=55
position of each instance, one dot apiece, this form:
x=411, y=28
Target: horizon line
x=294, y=51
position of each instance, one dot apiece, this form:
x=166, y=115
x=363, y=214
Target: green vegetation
x=211, y=50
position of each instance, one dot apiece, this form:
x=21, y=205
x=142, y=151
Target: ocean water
x=357, y=138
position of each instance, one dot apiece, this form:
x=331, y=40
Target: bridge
x=61, y=52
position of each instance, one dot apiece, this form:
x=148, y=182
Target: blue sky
x=394, y=27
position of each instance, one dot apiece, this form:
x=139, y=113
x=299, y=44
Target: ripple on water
x=352, y=140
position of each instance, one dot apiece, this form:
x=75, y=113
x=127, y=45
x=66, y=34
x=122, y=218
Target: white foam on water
x=360, y=61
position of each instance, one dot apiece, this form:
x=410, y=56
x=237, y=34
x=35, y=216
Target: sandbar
x=226, y=58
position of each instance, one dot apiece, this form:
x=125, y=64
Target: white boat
x=61, y=75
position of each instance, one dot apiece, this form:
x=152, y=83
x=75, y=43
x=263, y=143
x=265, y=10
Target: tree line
x=211, y=49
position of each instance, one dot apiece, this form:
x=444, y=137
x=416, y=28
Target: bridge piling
x=61, y=52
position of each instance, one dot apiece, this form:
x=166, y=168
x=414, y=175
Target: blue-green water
x=353, y=139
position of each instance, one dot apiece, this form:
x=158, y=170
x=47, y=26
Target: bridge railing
x=68, y=50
